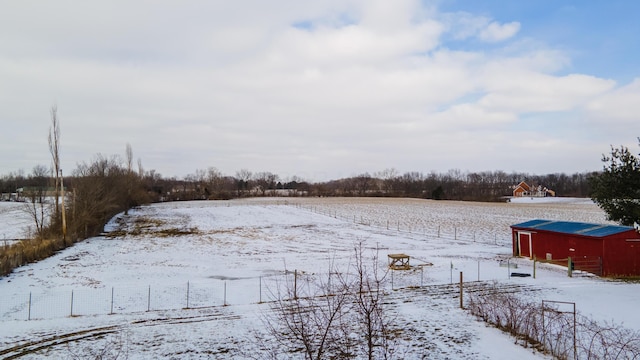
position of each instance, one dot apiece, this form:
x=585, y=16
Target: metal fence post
x=461, y=301
x=225, y=294
x=187, y=295
x=149, y=299
x=29, y=315
x=392, y=271
x=110, y=313
x=71, y=303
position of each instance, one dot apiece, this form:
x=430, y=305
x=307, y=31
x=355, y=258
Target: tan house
x=523, y=189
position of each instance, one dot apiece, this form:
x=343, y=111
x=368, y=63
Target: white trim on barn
x=530, y=248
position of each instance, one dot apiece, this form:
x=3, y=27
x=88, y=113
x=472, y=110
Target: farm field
x=14, y=221
x=193, y=279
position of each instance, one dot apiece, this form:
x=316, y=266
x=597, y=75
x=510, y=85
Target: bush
x=552, y=331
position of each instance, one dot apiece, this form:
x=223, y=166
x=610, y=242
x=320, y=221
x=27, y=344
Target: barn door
x=524, y=244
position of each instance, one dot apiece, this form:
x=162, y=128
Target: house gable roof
x=573, y=228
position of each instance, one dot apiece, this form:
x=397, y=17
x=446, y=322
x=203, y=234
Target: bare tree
x=35, y=197
x=140, y=169
x=54, y=149
x=369, y=306
x=309, y=318
x=388, y=177
x=242, y=180
x=338, y=315
x=98, y=194
x=129, y=177
x=265, y=181
x=215, y=183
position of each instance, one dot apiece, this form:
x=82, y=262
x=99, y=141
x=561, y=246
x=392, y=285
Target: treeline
x=453, y=185
x=109, y=184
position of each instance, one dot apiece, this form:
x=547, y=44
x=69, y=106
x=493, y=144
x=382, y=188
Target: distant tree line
x=110, y=174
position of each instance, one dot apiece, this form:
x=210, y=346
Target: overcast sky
x=321, y=89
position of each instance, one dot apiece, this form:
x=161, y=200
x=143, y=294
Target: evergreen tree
x=617, y=188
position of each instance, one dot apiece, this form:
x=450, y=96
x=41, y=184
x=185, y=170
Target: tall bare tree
x=129, y=177
x=54, y=149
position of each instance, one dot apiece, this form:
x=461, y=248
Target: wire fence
x=131, y=299
x=42, y=304
x=446, y=232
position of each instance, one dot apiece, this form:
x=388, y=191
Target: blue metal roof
x=574, y=228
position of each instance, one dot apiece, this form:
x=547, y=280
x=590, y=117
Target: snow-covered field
x=14, y=221
x=192, y=279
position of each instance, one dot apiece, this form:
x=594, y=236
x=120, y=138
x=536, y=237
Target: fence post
x=71, y=303
x=111, y=313
x=570, y=267
x=225, y=294
x=451, y=273
x=260, y=288
x=295, y=283
x=535, y=260
x=392, y=271
x=29, y=315
x=149, y=299
x=187, y=295
x=461, y=302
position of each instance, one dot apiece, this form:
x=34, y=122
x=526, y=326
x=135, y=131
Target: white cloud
x=463, y=25
x=213, y=84
x=525, y=91
x=619, y=105
x=495, y=32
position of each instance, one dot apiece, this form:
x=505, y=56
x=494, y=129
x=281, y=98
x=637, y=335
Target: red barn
x=617, y=248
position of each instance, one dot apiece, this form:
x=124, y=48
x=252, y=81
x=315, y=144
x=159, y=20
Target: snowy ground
x=161, y=281
x=14, y=221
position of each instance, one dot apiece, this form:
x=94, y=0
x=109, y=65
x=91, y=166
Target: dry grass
x=27, y=251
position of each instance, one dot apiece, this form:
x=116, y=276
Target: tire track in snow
x=424, y=294
x=48, y=341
